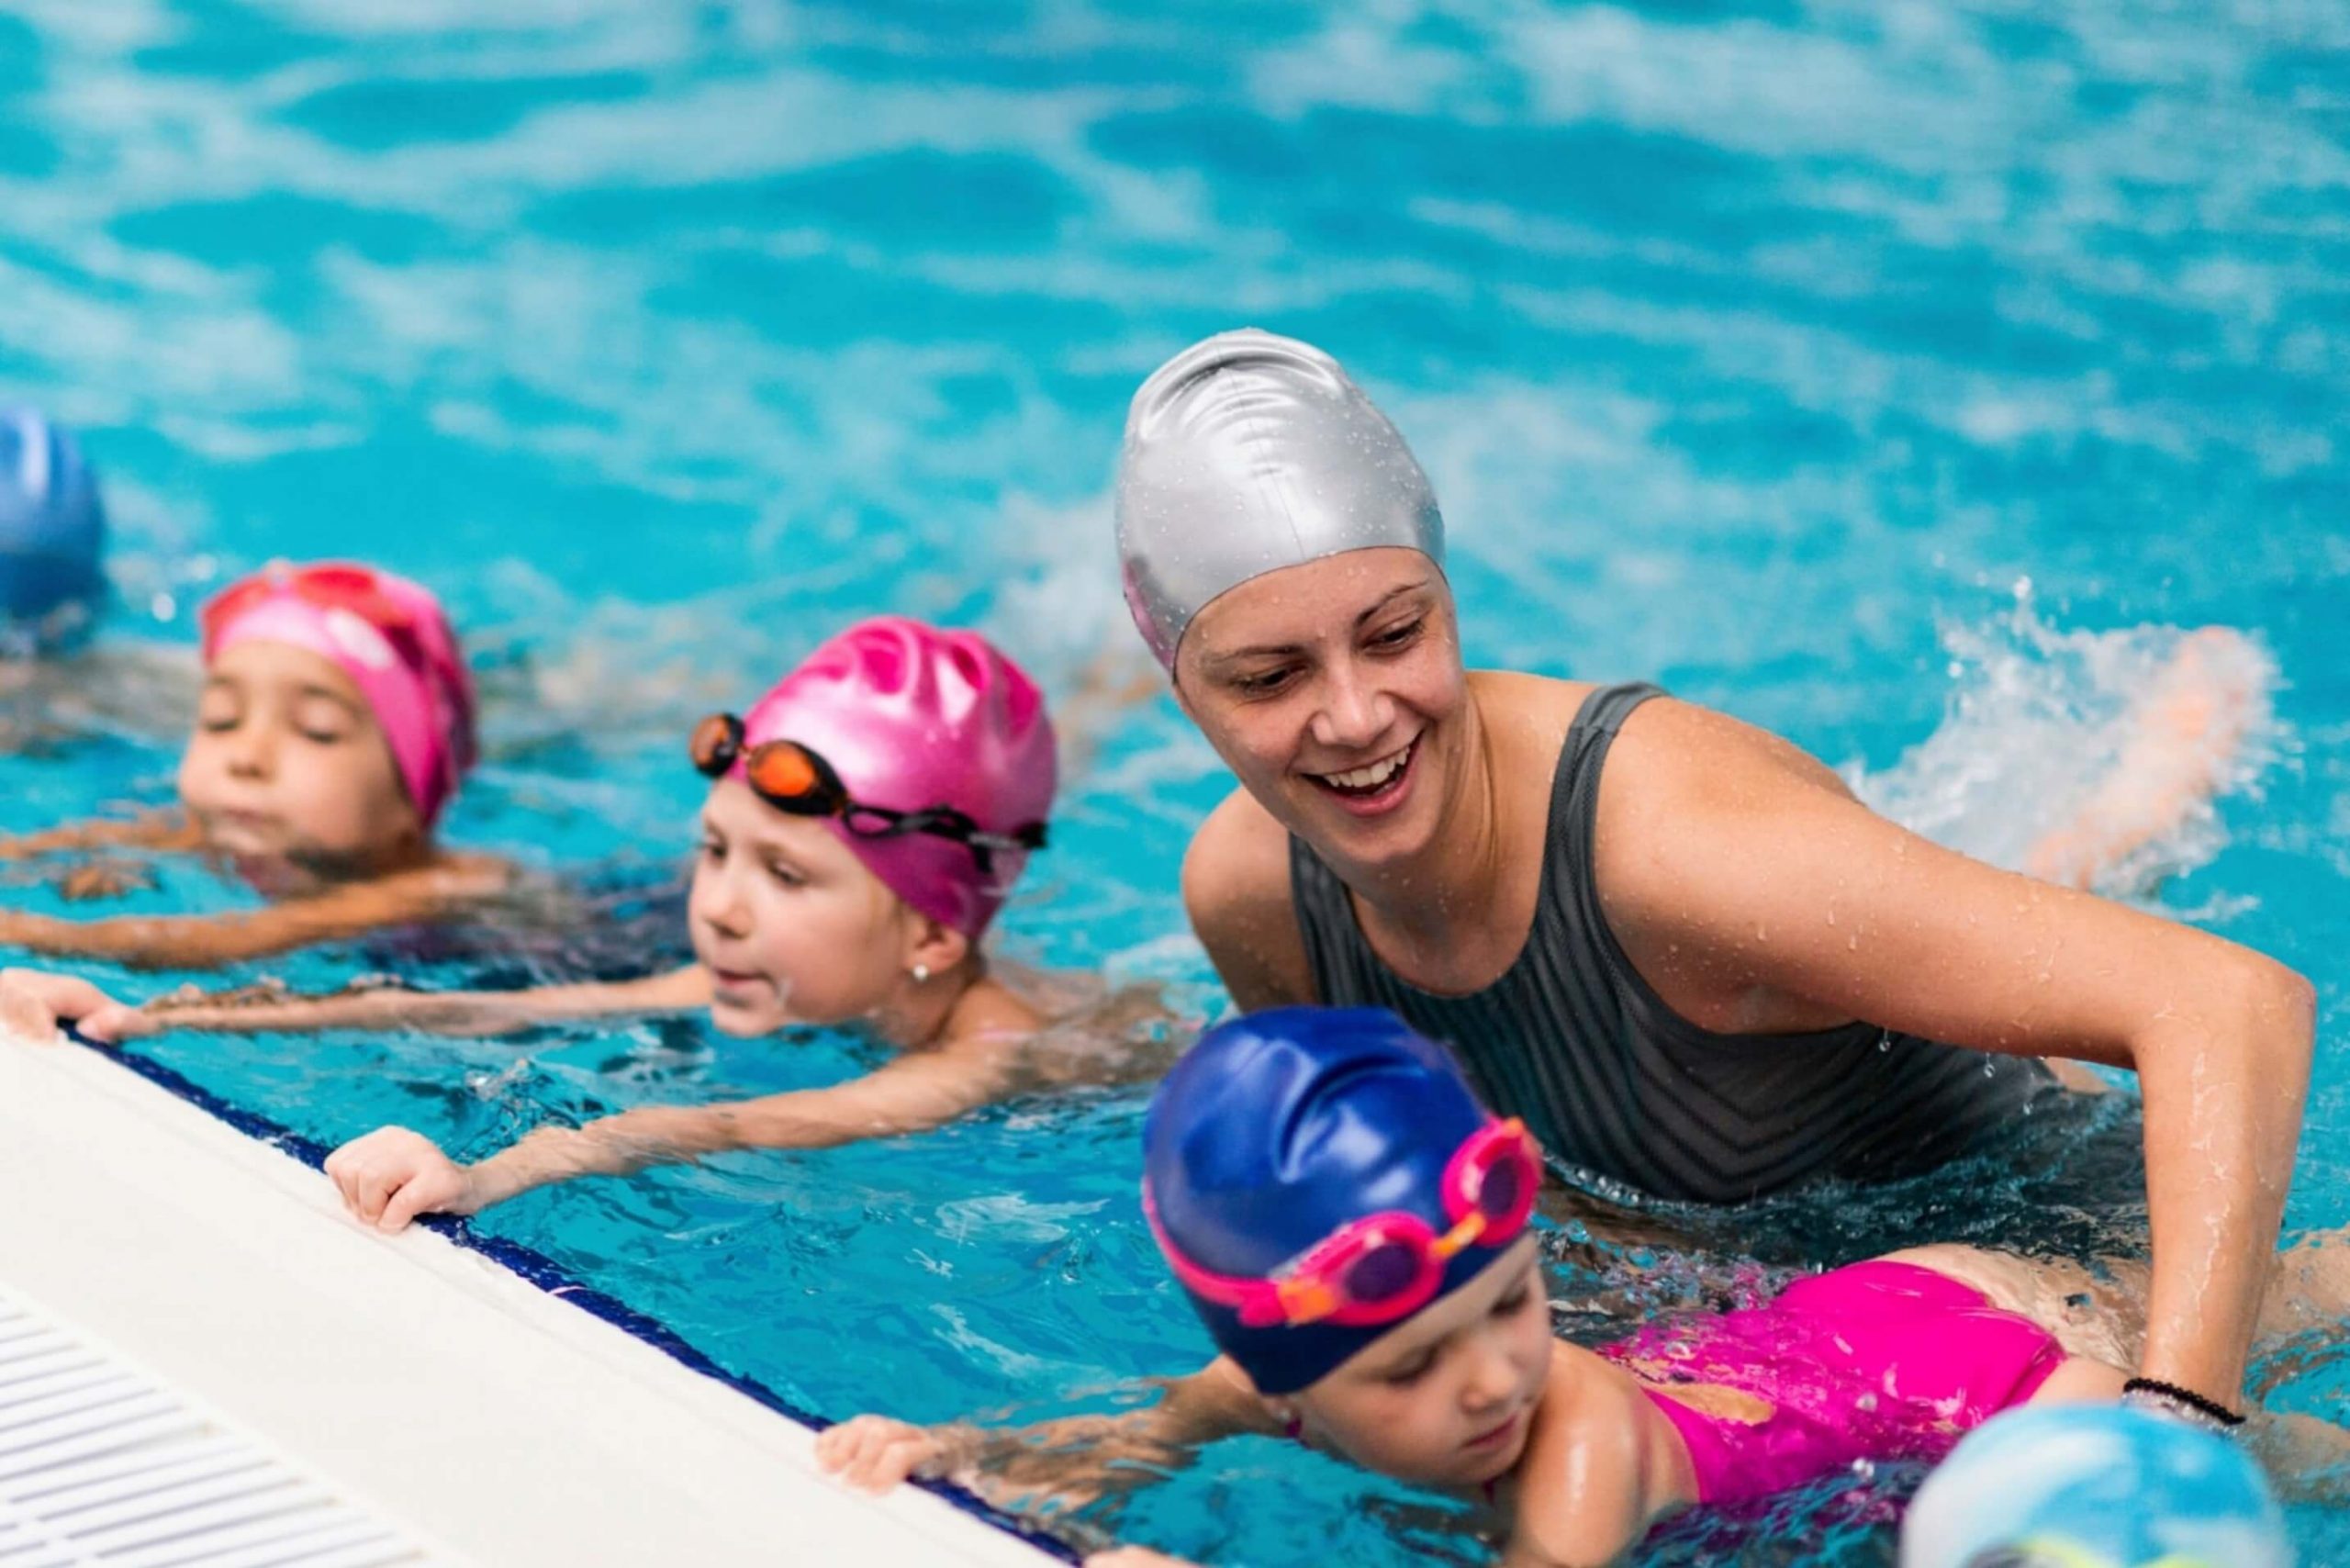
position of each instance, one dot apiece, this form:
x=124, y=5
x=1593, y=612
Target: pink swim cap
x=389, y=635
x=912, y=717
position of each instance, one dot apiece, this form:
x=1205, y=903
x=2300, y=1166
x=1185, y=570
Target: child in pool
x=335, y=723
x=53, y=533
x=864, y=824
x=1351, y=1224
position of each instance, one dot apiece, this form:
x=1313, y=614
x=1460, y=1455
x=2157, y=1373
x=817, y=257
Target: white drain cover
x=101, y=1467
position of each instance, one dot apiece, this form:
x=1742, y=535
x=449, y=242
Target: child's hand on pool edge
x=34, y=1005
x=875, y=1453
x=392, y=1175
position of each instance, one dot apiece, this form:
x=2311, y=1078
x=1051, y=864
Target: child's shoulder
x=458, y=881
x=1589, y=1481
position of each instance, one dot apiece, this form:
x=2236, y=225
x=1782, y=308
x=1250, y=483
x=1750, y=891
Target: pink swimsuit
x=1875, y=1361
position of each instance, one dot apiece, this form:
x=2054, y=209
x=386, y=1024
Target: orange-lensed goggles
x=796, y=778
x=332, y=586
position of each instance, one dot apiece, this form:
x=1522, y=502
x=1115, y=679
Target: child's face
x=1446, y=1397
x=287, y=761
x=790, y=925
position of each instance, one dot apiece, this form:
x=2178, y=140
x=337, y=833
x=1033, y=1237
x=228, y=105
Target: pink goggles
x=1384, y=1266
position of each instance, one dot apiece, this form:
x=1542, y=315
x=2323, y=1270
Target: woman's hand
x=35, y=1005
x=392, y=1175
x=875, y=1453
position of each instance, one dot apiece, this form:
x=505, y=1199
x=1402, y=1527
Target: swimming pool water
x=1766, y=350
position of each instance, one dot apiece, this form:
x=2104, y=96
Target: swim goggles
x=1385, y=1266
x=797, y=780
x=331, y=586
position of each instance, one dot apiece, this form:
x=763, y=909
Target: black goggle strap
x=829, y=797
x=946, y=822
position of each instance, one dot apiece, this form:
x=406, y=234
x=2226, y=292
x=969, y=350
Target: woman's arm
x=1236, y=892
x=34, y=1005
x=1737, y=871
x=391, y=1175
x=1073, y=1458
x=203, y=941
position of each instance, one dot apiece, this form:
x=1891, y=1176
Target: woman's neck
x=1455, y=884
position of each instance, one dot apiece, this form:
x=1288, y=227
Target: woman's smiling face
x=1334, y=690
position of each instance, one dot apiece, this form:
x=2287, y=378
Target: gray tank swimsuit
x=1614, y=1082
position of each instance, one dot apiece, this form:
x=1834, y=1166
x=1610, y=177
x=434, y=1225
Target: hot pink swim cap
x=386, y=633
x=912, y=717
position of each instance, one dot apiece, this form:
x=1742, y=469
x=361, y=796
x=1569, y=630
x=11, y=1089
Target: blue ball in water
x=2094, y=1486
x=52, y=531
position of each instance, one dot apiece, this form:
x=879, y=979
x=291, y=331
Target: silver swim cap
x=1248, y=453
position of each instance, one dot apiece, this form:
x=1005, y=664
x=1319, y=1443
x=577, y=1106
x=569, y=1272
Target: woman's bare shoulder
x=1667, y=741
x=1238, y=858
x=1540, y=707
x=1237, y=892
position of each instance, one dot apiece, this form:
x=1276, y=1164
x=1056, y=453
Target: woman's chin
x=1343, y=832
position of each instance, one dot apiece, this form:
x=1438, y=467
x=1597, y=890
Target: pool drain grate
x=101, y=1467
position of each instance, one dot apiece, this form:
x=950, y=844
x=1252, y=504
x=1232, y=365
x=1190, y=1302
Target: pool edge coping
x=63, y=1105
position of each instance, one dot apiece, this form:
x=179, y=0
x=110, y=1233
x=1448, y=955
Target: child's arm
x=148, y=830
x=33, y=1004
x=203, y=941
x=391, y=1175
x=1071, y=1460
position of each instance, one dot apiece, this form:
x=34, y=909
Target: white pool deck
x=481, y=1418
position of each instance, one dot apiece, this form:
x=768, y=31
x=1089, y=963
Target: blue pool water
x=1855, y=367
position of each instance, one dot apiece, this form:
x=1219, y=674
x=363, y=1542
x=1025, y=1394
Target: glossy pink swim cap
x=386, y=633
x=912, y=717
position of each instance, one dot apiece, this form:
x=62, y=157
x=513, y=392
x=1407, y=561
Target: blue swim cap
x=1279, y=1129
x=51, y=531
x=2094, y=1486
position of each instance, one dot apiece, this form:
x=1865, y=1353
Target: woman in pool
x=1674, y=946
x=335, y=723
x=1350, y=1225
x=864, y=824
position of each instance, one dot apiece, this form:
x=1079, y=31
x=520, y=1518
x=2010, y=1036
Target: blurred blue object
x=2094, y=1486
x=52, y=534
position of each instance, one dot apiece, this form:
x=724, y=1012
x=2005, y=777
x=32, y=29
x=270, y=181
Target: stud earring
x=921, y=973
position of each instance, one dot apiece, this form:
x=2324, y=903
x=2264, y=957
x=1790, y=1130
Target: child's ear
x=936, y=946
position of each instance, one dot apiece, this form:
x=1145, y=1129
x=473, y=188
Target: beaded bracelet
x=2183, y=1403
